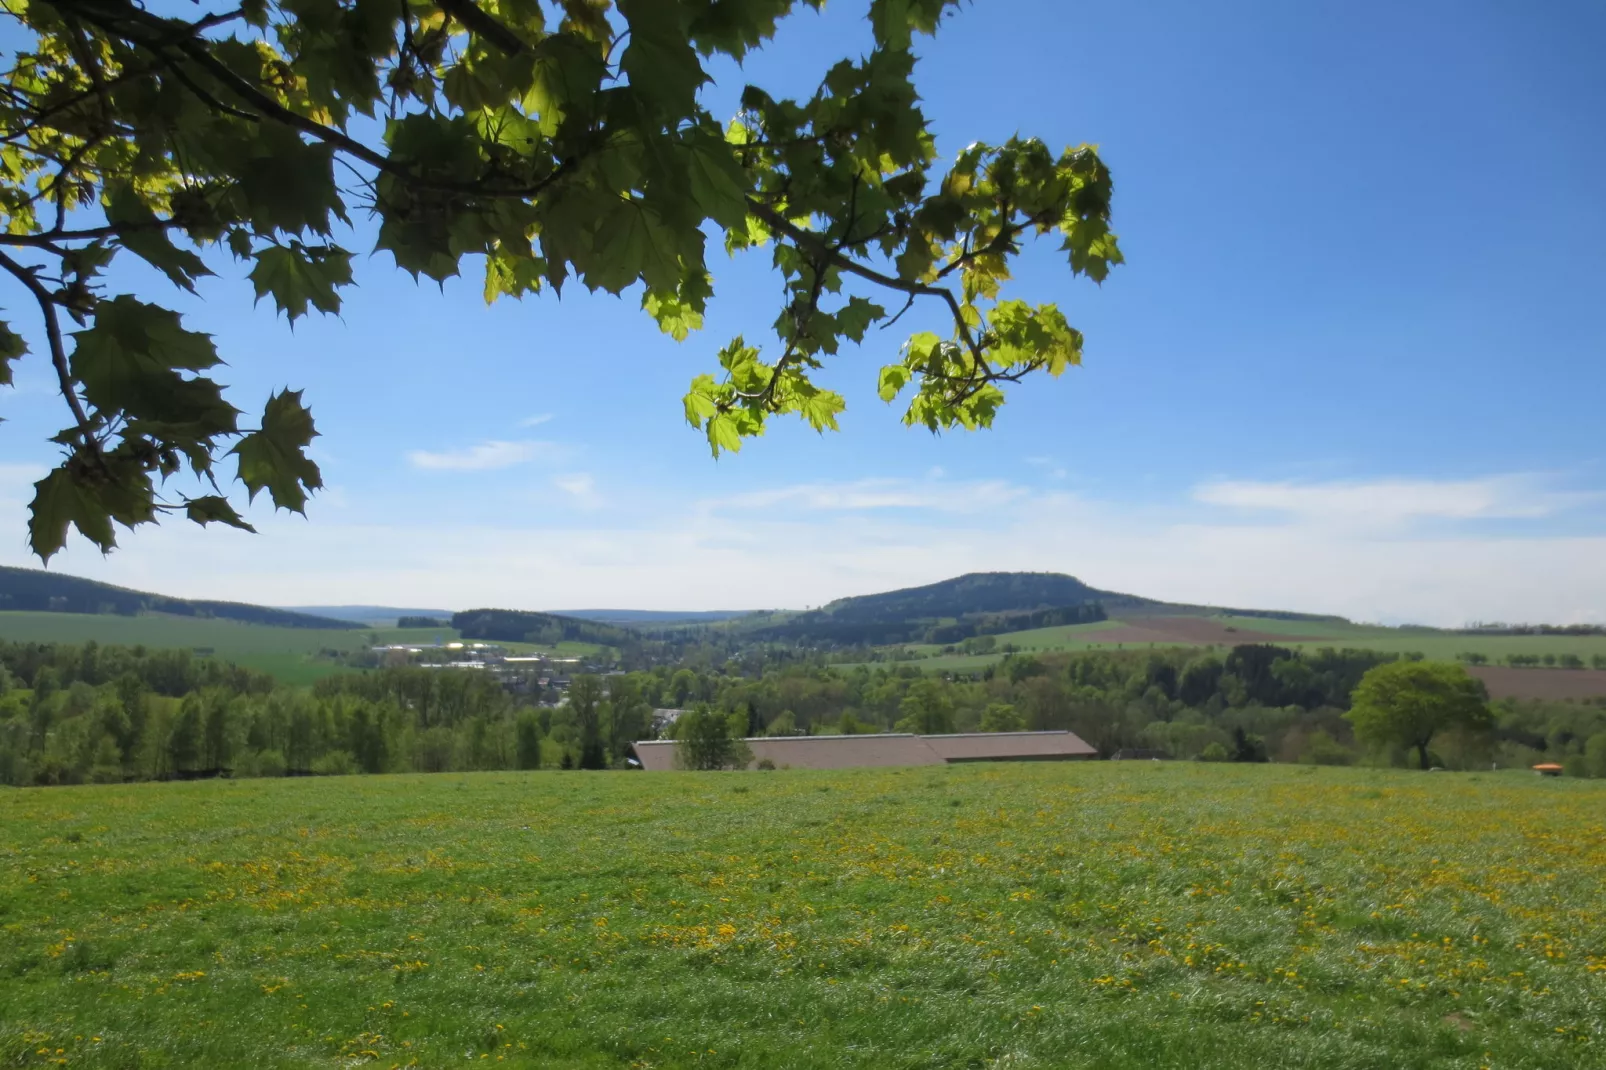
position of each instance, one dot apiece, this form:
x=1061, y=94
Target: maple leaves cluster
x=551, y=141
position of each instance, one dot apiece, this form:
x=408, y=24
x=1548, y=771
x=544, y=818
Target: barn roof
x=1009, y=746
x=890, y=748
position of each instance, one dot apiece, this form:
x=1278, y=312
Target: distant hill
x=975, y=592
x=370, y=614
x=517, y=626
x=38, y=590
x=653, y=616
x=978, y=603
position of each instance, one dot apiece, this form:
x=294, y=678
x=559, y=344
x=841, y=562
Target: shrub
x=335, y=763
x=706, y=741
x=1595, y=755
x=1213, y=753
x=1001, y=717
x=1322, y=749
x=260, y=763
x=766, y=763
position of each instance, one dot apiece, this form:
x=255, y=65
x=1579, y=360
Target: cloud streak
x=485, y=457
x=1393, y=502
x=580, y=486
x=874, y=495
x=1253, y=545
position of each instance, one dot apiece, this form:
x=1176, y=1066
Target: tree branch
x=58, y=350
x=476, y=20
x=268, y=108
x=820, y=248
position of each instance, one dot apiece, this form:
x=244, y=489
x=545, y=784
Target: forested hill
x=975, y=604
x=638, y=618
x=975, y=592
x=980, y=603
x=517, y=626
x=35, y=589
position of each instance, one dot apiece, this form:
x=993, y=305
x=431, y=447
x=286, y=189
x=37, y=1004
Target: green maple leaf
x=819, y=407
x=288, y=185
x=634, y=243
x=512, y=272
x=59, y=501
x=700, y=403
x=675, y=318
x=660, y=61
x=148, y=241
x=89, y=495
x=298, y=275
x=723, y=434
x=856, y=316
x=889, y=19
x=717, y=182
x=215, y=509
x=894, y=377
x=11, y=347
x=274, y=458
x=130, y=360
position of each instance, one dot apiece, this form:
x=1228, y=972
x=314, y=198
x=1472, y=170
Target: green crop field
x=1337, y=631
x=1115, y=914
x=287, y=653
x=1439, y=646
x=290, y=654
x=1060, y=637
x=1496, y=648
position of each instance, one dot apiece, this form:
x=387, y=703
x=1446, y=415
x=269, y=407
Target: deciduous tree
x=1001, y=717
x=585, y=699
x=1409, y=702
x=549, y=142
x=705, y=741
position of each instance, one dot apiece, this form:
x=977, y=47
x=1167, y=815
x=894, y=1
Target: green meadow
x=1114, y=914
x=292, y=655
x=1306, y=635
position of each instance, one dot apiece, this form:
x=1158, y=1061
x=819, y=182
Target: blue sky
x=1354, y=362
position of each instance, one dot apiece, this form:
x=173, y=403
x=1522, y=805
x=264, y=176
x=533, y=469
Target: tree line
x=1255, y=702
x=77, y=714
x=87, y=713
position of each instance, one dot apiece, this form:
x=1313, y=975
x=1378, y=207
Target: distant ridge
x=52, y=592
x=977, y=603
x=370, y=614
x=629, y=617
x=519, y=626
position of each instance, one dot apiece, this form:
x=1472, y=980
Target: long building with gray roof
x=888, y=749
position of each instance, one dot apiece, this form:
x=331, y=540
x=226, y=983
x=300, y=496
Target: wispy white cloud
x=481, y=458
x=1394, y=502
x=1052, y=468
x=580, y=486
x=537, y=420
x=860, y=536
x=874, y=494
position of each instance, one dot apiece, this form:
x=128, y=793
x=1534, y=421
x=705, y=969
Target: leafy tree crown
x=550, y=142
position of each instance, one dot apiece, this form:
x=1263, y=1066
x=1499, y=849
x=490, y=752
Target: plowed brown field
x=1505, y=682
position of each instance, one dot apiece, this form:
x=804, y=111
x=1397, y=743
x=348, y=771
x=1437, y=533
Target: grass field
x=287, y=653
x=1088, y=915
x=1495, y=647
x=1315, y=629
x=290, y=654
x=1438, y=646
